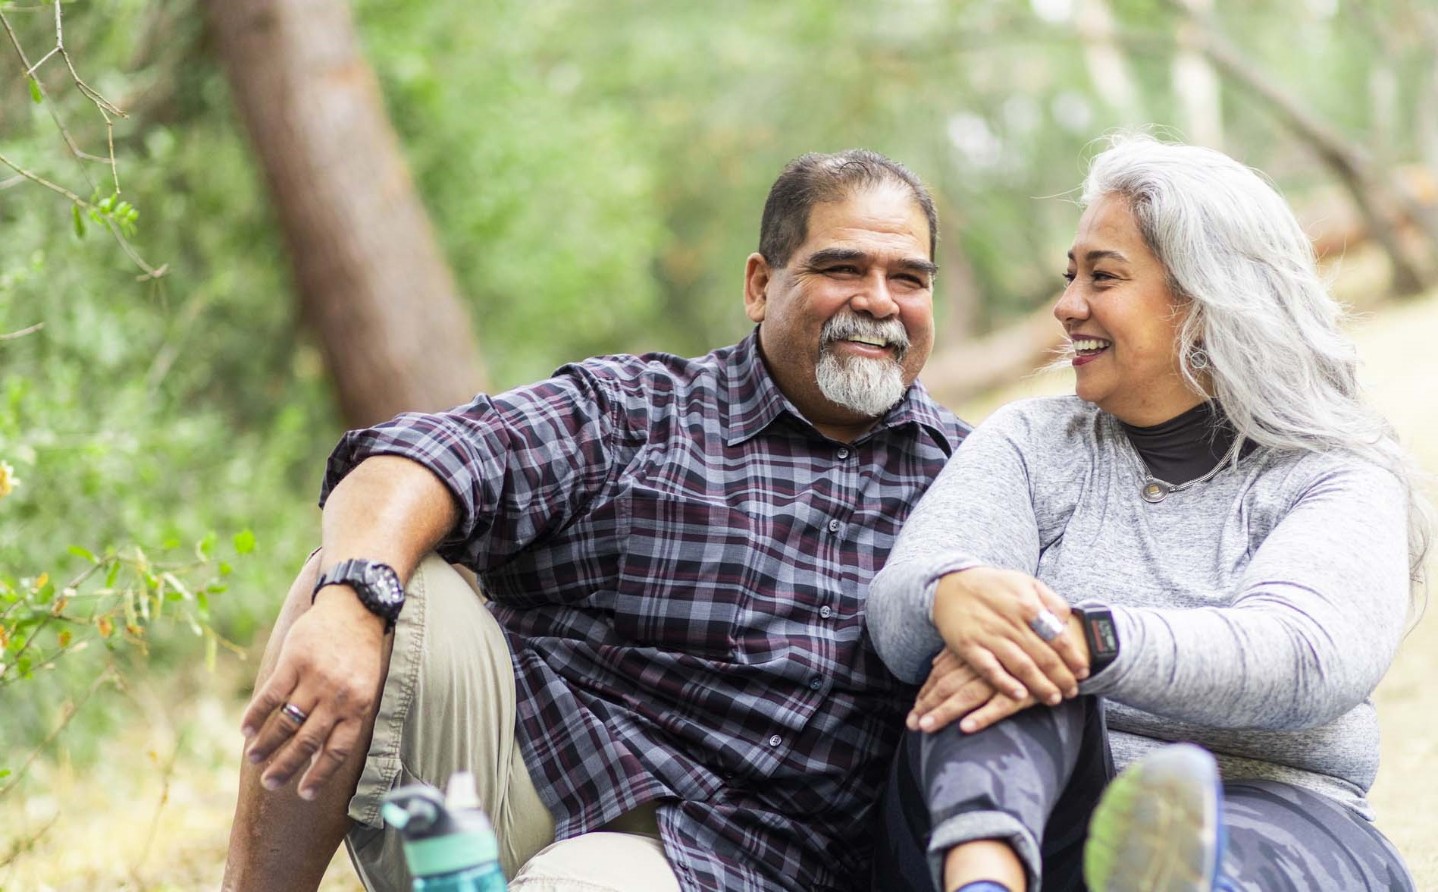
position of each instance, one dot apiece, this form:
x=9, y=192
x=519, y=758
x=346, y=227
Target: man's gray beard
x=868, y=387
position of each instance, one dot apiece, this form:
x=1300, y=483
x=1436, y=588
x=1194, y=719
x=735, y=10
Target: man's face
x=846, y=325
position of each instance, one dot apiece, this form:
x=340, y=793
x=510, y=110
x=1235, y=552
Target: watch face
x=383, y=583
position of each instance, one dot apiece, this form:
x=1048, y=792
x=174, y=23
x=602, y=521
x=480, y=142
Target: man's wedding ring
x=1046, y=625
x=298, y=716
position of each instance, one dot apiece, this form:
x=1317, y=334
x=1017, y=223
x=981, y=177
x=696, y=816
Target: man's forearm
x=388, y=509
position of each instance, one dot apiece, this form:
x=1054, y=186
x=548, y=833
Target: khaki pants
x=449, y=705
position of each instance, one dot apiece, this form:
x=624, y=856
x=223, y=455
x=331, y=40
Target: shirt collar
x=755, y=401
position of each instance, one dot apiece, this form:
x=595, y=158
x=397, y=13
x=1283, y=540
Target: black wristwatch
x=1101, y=635
x=377, y=585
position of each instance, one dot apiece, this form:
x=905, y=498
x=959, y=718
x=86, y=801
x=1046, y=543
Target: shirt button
x=826, y=611
x=843, y=452
x=816, y=683
x=833, y=526
x=775, y=740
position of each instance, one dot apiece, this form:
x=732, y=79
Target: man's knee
x=449, y=694
x=622, y=862
x=459, y=652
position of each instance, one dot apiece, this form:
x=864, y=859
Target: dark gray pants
x=1036, y=778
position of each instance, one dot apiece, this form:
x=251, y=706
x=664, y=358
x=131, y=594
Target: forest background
x=229, y=229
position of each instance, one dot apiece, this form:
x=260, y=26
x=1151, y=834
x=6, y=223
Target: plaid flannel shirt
x=680, y=562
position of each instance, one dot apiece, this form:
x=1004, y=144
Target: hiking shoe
x=1158, y=826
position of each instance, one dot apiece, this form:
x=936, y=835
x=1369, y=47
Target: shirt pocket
x=683, y=570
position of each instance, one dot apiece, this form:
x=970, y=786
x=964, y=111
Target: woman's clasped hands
x=996, y=660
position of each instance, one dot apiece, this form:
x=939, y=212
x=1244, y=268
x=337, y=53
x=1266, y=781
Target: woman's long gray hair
x=1262, y=330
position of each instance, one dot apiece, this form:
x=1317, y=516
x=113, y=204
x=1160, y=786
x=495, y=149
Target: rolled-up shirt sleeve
x=519, y=465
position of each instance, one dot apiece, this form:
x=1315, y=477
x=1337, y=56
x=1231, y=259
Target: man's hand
x=331, y=665
x=983, y=615
x=330, y=668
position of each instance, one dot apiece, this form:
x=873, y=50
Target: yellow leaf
x=64, y=637
x=8, y=480
x=41, y=580
x=106, y=627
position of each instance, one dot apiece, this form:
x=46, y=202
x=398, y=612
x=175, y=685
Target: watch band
x=1101, y=635
x=377, y=585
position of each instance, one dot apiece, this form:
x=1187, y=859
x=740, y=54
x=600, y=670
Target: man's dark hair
x=814, y=178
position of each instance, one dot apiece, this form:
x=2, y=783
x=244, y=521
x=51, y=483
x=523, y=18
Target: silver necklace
x=1155, y=490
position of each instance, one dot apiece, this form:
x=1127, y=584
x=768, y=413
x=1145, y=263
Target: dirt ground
x=154, y=813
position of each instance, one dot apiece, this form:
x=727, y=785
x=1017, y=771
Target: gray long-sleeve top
x=1256, y=612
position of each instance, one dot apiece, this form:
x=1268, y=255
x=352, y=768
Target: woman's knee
x=1282, y=837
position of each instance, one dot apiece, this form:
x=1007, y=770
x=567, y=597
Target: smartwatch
x=377, y=585
x=1101, y=635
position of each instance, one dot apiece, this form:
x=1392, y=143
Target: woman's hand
x=983, y=615
x=955, y=691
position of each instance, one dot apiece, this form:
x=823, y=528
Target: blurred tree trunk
x=958, y=295
x=1108, y=67
x=960, y=371
x=1426, y=25
x=1195, y=84
x=373, y=283
x=1382, y=201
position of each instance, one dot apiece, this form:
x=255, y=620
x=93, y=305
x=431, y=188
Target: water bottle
x=449, y=843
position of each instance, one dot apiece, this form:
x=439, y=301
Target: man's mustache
x=847, y=326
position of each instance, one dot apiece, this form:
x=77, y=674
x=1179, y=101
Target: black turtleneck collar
x=1186, y=446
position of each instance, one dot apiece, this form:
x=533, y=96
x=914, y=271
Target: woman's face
x=1122, y=320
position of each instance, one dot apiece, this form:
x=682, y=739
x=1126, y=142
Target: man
x=671, y=687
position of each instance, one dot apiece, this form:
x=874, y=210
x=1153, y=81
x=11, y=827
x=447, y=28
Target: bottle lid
x=460, y=793
x=442, y=834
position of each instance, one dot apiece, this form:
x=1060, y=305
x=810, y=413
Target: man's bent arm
x=388, y=509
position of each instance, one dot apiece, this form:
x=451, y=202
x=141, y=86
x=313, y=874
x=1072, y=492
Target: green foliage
x=596, y=168
x=140, y=413
x=115, y=601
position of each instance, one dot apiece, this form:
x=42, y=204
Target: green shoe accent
x=1157, y=827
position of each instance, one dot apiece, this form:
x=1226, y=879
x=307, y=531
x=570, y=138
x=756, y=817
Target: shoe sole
x=1157, y=828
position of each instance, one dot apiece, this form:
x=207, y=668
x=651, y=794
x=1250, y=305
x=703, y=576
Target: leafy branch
x=118, y=216
x=114, y=602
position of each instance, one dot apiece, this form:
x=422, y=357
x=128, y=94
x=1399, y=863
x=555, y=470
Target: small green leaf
x=244, y=542
x=79, y=220
x=35, y=93
x=82, y=552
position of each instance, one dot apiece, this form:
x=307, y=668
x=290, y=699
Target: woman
x=1239, y=536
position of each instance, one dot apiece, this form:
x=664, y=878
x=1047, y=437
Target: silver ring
x=1046, y=625
x=294, y=713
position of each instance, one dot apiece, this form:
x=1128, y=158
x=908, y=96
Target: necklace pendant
x=1154, y=492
